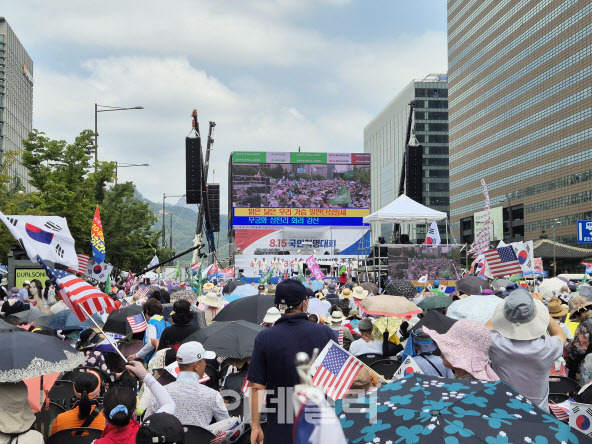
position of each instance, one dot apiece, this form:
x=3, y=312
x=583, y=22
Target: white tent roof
x=405, y=210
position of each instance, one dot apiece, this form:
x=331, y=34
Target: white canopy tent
x=405, y=210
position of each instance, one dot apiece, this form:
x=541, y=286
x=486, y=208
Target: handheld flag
x=408, y=367
x=137, y=323
x=502, y=261
x=45, y=236
x=98, y=272
x=266, y=278
x=588, y=266
x=301, y=277
x=153, y=262
x=314, y=268
x=200, y=279
x=178, y=272
x=97, y=238
x=334, y=370
x=580, y=417
x=108, y=285
x=129, y=281
x=423, y=279
x=77, y=293
x=82, y=264
x=524, y=253
x=341, y=198
x=433, y=237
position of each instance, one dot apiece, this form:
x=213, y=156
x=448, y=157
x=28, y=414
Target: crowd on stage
x=160, y=384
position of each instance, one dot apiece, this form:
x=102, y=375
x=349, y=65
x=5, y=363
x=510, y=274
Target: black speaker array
x=414, y=173
x=192, y=170
x=214, y=204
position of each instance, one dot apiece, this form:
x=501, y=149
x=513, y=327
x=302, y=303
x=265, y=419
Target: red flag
x=129, y=282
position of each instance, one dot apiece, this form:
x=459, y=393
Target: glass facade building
x=16, y=99
x=521, y=114
x=384, y=139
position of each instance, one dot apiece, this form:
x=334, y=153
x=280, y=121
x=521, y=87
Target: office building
x=384, y=139
x=521, y=115
x=16, y=99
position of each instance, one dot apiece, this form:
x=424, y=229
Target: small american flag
x=334, y=370
x=82, y=264
x=341, y=337
x=77, y=293
x=137, y=322
x=143, y=291
x=502, y=261
x=245, y=388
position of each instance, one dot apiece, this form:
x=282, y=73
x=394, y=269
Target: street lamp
x=164, y=196
x=555, y=223
x=107, y=108
x=127, y=165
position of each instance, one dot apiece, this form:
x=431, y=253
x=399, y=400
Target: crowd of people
x=528, y=338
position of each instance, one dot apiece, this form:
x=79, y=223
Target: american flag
x=502, y=261
x=79, y=295
x=82, y=264
x=340, y=339
x=137, y=322
x=335, y=370
x=143, y=291
x=245, y=388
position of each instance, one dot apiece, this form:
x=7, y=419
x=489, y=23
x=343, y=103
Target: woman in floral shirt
x=580, y=310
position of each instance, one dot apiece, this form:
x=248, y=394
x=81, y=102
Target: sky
x=274, y=75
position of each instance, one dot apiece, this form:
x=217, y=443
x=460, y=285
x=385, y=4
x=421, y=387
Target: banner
x=97, y=238
x=45, y=236
x=314, y=268
x=29, y=274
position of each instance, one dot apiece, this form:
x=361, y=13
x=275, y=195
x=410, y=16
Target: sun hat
x=161, y=428
x=193, y=351
x=270, y=290
x=272, y=315
x=211, y=300
x=365, y=325
x=208, y=286
x=556, y=309
x=336, y=316
x=577, y=303
x=346, y=293
x=4, y=281
x=354, y=314
x=16, y=415
x=14, y=292
x=466, y=346
x=521, y=317
x=360, y=293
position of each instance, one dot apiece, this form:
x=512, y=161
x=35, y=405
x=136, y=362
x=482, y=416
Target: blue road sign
x=585, y=232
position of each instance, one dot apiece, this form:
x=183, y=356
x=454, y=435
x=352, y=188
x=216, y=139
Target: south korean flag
x=524, y=253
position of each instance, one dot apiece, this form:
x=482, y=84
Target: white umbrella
x=551, y=287
x=477, y=307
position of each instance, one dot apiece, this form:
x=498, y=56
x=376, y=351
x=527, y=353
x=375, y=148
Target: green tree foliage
x=69, y=185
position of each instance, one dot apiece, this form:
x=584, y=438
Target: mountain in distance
x=184, y=226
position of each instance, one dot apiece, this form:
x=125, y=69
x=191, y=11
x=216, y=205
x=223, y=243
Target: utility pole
x=171, y=233
x=163, y=213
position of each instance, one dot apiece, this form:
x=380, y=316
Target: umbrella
x=472, y=285
x=234, y=339
x=500, y=283
x=67, y=320
x=436, y=321
x=31, y=316
x=230, y=286
x=3, y=269
x=28, y=355
x=435, y=302
x=438, y=292
x=5, y=326
x=316, y=285
x=477, y=307
x=244, y=290
x=199, y=317
x=553, y=284
x=516, y=277
x=188, y=295
x=252, y=309
x=381, y=324
x=401, y=287
x=424, y=409
x=386, y=305
x=117, y=320
x=369, y=287
x=152, y=288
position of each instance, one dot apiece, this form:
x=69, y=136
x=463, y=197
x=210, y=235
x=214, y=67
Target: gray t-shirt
x=525, y=365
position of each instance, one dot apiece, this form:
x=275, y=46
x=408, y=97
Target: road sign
x=585, y=232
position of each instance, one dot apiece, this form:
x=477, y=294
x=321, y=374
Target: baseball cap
x=289, y=293
x=193, y=351
x=26, y=283
x=162, y=428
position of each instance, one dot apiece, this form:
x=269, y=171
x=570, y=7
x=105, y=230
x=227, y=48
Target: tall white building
x=16, y=99
x=384, y=139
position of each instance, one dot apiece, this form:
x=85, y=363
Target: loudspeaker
x=214, y=204
x=414, y=172
x=192, y=170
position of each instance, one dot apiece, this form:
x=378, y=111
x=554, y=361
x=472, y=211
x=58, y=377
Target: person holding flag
x=152, y=310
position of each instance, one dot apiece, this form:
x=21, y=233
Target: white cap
x=193, y=351
x=26, y=283
x=272, y=315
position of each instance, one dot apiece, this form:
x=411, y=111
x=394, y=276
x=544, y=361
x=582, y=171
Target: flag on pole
x=315, y=422
x=502, y=261
x=82, y=263
x=98, y=272
x=137, y=323
x=481, y=243
x=580, y=417
x=143, y=291
x=196, y=266
x=334, y=370
x=129, y=281
x=200, y=279
x=343, y=197
x=266, y=278
x=108, y=285
x=245, y=388
x=213, y=269
x=97, y=238
x=433, y=237
x=525, y=254
x=300, y=276
x=45, y=236
x=408, y=367
x=77, y=293
x=178, y=272
x=423, y=279
x=153, y=262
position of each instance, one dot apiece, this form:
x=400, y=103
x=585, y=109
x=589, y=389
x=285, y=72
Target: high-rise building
x=16, y=99
x=384, y=139
x=520, y=84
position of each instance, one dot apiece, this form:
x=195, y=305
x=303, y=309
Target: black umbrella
x=31, y=316
x=472, y=285
x=5, y=326
x=250, y=308
x=117, y=320
x=67, y=320
x=199, y=317
x=28, y=355
x=435, y=320
x=234, y=339
x=231, y=286
x=424, y=409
